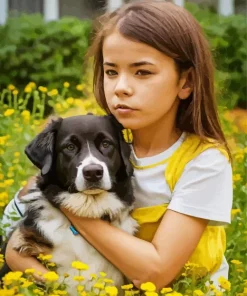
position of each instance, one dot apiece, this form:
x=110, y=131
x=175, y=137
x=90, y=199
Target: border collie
x=85, y=168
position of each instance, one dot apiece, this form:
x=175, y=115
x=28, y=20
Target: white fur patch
x=92, y=206
x=68, y=247
x=80, y=181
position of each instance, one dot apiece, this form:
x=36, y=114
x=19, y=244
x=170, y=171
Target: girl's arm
x=17, y=262
x=159, y=261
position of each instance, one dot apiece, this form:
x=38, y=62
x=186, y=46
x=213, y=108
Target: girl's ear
x=186, y=84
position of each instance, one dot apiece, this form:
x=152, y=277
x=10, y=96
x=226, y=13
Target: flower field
x=19, y=123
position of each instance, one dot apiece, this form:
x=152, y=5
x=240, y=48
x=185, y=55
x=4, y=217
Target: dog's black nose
x=93, y=172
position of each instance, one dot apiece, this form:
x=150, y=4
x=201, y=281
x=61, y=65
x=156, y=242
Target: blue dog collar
x=73, y=230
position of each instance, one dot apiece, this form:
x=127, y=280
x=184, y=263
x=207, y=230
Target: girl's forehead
x=117, y=46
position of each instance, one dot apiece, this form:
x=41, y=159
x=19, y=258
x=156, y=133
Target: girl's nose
x=123, y=88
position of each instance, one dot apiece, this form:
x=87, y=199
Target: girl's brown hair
x=173, y=31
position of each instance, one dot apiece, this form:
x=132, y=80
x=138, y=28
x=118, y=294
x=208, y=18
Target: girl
x=154, y=72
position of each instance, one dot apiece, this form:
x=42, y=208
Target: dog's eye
x=105, y=144
x=70, y=147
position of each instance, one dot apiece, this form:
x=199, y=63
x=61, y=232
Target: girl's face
x=141, y=84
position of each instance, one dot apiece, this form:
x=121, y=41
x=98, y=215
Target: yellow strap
x=210, y=250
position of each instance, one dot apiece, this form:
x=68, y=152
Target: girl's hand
x=17, y=262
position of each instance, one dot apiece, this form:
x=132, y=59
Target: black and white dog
x=85, y=168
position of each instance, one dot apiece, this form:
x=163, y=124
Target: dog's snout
x=93, y=172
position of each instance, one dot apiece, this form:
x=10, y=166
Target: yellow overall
x=211, y=247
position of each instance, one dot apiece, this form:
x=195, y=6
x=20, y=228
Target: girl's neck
x=155, y=139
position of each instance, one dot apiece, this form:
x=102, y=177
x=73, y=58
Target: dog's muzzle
x=93, y=173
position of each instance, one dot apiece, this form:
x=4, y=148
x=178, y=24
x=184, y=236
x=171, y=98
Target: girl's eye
x=111, y=72
x=105, y=144
x=143, y=73
x=70, y=147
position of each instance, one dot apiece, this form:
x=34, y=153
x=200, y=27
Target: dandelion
x=23, y=183
x=28, y=89
x=235, y=211
x=30, y=271
x=150, y=287
x=236, y=262
x=70, y=100
x=9, y=112
x=127, y=287
x=51, y=276
x=224, y=283
x=42, y=89
x=198, y=293
x=108, y=281
x=79, y=265
x=80, y=288
x=93, y=276
x=103, y=274
x=99, y=286
x=166, y=290
x=15, y=92
x=53, y=92
x=112, y=291
x=11, y=87
x=80, y=87
x=8, y=182
x=78, y=278
x=66, y=85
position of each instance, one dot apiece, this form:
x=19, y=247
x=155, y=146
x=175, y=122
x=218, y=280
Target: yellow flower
x=235, y=211
x=53, y=92
x=51, y=264
x=16, y=154
x=218, y=293
x=42, y=89
x=112, y=291
x=79, y=265
x=198, y=293
x=60, y=292
x=236, y=262
x=23, y=183
x=80, y=87
x=51, y=276
x=11, y=87
x=93, y=276
x=15, y=92
x=127, y=287
x=26, y=284
x=44, y=257
x=99, y=285
x=78, y=278
x=151, y=293
x=237, y=177
x=30, y=271
x=103, y=274
x=70, y=101
x=150, y=287
x=224, y=283
x=32, y=84
x=66, y=84
x=80, y=288
x=8, y=182
x=12, y=276
x=28, y=89
x=166, y=290
x=109, y=281
x=174, y=293
x=9, y=112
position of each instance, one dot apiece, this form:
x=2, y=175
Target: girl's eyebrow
x=137, y=64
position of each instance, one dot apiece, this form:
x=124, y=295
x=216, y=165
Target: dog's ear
x=125, y=150
x=40, y=150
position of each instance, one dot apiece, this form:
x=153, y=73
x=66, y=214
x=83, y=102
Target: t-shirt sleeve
x=205, y=188
x=13, y=212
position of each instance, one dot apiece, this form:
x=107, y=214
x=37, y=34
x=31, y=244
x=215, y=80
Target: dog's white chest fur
x=69, y=247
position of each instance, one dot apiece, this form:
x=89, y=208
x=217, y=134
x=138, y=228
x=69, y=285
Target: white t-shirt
x=204, y=189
